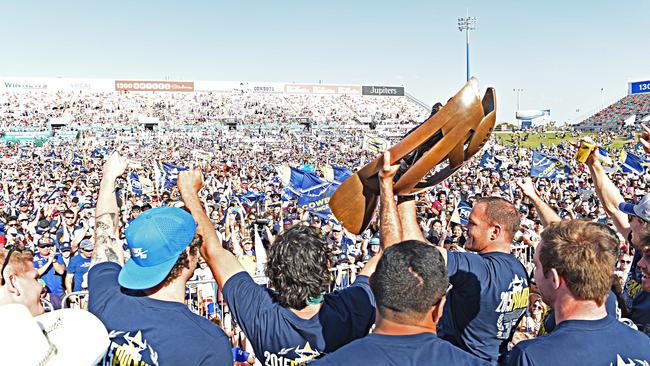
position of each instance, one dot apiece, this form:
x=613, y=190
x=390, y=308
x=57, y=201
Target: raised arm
x=221, y=262
x=608, y=194
x=390, y=225
x=107, y=244
x=409, y=219
x=546, y=213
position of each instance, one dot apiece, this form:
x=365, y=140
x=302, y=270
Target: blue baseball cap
x=155, y=239
x=641, y=209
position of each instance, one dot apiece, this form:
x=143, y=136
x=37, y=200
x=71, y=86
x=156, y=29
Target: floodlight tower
x=467, y=24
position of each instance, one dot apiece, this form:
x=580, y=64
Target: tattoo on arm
x=107, y=246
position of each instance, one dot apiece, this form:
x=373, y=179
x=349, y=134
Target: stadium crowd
x=33, y=108
x=219, y=263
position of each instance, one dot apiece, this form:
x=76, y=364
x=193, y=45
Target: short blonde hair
x=21, y=261
x=584, y=254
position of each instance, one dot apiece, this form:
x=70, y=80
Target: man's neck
x=571, y=309
x=174, y=291
x=389, y=327
x=501, y=248
x=307, y=312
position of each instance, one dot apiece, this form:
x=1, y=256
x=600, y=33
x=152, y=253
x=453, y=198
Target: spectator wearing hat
x=338, y=241
x=374, y=248
x=65, y=248
x=78, y=266
x=51, y=268
x=141, y=301
x=247, y=256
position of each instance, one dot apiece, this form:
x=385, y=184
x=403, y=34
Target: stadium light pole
x=518, y=91
x=602, y=98
x=467, y=24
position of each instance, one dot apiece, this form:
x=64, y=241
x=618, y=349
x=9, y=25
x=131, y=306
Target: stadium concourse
x=260, y=161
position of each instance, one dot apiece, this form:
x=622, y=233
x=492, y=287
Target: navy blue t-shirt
x=403, y=350
x=279, y=336
x=611, y=306
x=584, y=342
x=78, y=266
x=145, y=331
x=637, y=300
x=53, y=280
x=488, y=297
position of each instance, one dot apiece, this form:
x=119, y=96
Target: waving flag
x=336, y=174
x=545, y=166
x=489, y=161
x=134, y=183
x=251, y=198
x=630, y=163
x=99, y=152
x=461, y=213
x=298, y=181
x=166, y=174
x=317, y=203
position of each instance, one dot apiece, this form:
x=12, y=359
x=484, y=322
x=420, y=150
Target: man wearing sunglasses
x=51, y=268
x=20, y=280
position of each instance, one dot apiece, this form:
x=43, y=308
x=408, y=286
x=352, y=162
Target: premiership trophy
x=454, y=133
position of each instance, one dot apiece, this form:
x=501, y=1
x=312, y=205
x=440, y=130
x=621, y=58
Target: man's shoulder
x=212, y=333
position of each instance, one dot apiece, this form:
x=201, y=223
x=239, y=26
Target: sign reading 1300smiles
x=639, y=87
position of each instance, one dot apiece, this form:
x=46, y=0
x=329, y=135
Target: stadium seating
x=35, y=108
x=615, y=115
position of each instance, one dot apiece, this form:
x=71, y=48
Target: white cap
x=62, y=337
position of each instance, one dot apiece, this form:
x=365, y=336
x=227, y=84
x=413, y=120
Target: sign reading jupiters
x=389, y=91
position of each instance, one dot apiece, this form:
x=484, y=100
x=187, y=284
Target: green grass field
x=549, y=138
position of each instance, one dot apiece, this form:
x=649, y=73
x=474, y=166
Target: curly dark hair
x=183, y=260
x=297, y=266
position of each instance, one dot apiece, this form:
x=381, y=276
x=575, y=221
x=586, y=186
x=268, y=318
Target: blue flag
x=167, y=174
x=318, y=204
x=488, y=161
x=251, y=198
x=630, y=163
x=336, y=174
x=545, y=166
x=99, y=152
x=134, y=183
x=461, y=213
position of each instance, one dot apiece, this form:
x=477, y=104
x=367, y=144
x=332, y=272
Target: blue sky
x=561, y=53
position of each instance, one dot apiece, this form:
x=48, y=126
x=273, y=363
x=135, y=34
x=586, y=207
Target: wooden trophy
x=455, y=133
